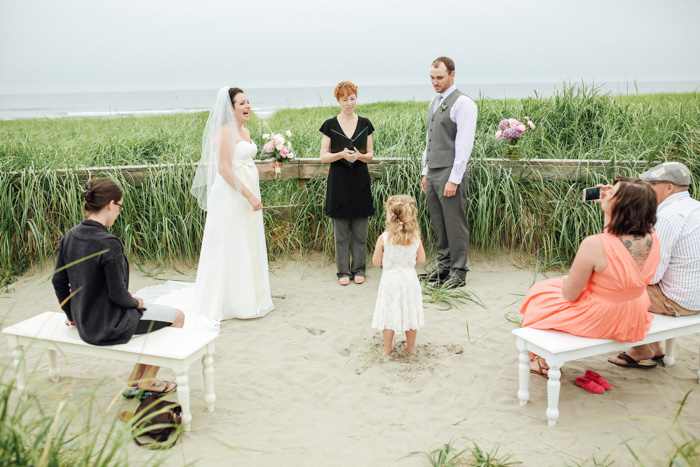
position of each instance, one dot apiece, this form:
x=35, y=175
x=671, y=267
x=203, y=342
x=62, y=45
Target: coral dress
x=613, y=305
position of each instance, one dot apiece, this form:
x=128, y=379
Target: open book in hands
x=339, y=142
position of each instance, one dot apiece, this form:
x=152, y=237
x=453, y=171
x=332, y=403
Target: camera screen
x=591, y=194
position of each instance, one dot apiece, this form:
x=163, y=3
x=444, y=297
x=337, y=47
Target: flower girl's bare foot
x=386, y=352
x=411, y=350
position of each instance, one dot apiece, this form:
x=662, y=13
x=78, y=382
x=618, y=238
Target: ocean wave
x=115, y=113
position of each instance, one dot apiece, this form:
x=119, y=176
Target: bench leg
x=208, y=374
x=20, y=371
x=670, y=357
x=53, y=366
x=183, y=395
x=553, y=387
x=524, y=377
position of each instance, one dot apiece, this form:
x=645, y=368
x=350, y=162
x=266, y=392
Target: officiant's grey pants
x=449, y=219
x=342, y=230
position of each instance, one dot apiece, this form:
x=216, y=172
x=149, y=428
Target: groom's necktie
x=437, y=103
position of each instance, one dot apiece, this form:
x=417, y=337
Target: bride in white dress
x=232, y=278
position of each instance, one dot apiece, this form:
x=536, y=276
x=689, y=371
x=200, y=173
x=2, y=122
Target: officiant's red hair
x=344, y=89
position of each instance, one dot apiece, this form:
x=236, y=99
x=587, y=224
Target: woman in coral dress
x=604, y=296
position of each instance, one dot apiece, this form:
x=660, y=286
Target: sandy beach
x=306, y=386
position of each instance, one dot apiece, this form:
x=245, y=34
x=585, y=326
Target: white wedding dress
x=232, y=277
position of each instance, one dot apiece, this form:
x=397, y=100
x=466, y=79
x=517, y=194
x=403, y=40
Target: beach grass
x=673, y=445
x=70, y=430
x=448, y=455
x=577, y=122
x=543, y=220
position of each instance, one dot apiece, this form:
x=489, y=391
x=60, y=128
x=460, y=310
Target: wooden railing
x=303, y=169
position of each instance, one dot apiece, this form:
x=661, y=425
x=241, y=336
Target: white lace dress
x=399, y=299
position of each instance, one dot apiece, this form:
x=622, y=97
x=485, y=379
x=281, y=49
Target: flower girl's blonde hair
x=401, y=220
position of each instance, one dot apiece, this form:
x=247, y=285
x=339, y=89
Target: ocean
x=265, y=101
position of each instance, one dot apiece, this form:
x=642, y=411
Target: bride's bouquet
x=278, y=148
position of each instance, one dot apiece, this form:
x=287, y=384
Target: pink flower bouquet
x=512, y=130
x=277, y=148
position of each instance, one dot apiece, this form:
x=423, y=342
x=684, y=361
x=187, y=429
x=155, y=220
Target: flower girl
x=399, y=305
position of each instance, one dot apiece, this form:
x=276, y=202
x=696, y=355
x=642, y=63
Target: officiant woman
x=348, y=194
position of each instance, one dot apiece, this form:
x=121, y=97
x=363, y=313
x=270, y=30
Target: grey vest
x=442, y=131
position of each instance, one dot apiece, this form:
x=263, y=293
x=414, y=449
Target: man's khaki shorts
x=663, y=305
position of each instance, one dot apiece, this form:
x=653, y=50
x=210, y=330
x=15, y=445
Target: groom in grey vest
x=449, y=142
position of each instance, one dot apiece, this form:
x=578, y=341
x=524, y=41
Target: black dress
x=348, y=193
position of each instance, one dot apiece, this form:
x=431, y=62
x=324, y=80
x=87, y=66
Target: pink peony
x=499, y=134
x=503, y=125
x=522, y=128
x=268, y=146
x=513, y=122
x=530, y=124
x=284, y=151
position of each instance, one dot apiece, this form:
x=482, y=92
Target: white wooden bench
x=169, y=347
x=558, y=347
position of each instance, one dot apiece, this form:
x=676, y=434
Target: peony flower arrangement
x=278, y=148
x=512, y=130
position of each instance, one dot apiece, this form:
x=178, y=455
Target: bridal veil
x=219, y=139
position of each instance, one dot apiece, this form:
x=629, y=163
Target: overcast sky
x=93, y=45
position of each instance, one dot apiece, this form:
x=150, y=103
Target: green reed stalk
x=539, y=218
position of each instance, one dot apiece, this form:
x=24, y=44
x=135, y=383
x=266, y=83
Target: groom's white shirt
x=463, y=113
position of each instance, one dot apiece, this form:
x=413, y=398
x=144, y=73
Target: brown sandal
x=541, y=370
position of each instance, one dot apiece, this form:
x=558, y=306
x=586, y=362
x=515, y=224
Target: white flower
x=289, y=133
x=289, y=145
x=266, y=136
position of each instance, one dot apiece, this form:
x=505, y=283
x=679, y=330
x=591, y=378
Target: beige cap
x=668, y=172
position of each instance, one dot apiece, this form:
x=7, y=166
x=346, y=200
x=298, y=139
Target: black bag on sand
x=158, y=419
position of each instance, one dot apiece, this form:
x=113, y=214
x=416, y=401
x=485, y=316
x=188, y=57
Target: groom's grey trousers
x=449, y=219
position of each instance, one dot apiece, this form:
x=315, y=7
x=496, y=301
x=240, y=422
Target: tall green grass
x=72, y=430
x=542, y=219
x=577, y=122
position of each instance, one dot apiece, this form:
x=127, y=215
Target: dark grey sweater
x=102, y=308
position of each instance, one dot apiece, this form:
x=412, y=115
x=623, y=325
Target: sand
x=306, y=385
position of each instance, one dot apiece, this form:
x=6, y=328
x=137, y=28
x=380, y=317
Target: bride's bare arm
x=269, y=167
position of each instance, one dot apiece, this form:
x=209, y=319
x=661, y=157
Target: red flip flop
x=589, y=386
x=596, y=378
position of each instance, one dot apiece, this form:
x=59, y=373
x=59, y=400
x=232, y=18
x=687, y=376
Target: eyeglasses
x=120, y=206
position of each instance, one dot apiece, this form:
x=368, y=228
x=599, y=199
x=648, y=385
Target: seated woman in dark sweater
x=92, y=284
